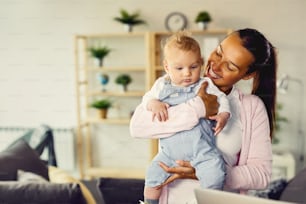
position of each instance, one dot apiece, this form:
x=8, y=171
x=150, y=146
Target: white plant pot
x=97, y=62
x=202, y=25
x=128, y=28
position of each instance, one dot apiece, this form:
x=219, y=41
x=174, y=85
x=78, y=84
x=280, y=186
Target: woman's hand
x=184, y=170
x=210, y=101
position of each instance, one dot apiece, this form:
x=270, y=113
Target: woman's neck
x=227, y=91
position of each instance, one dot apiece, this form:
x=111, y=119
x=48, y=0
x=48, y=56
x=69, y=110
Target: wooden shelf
x=199, y=32
x=116, y=172
x=110, y=121
x=87, y=71
x=117, y=93
x=113, y=35
x=116, y=69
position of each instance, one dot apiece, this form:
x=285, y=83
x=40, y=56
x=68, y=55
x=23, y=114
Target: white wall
x=37, y=59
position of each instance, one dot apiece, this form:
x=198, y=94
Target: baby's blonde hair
x=183, y=41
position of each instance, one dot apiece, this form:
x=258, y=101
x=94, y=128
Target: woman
x=245, y=142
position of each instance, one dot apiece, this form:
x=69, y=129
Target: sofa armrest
x=121, y=190
x=296, y=188
x=13, y=192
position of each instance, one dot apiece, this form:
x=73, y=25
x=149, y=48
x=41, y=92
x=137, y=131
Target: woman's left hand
x=184, y=170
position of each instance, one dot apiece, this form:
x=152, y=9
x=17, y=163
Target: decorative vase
x=103, y=113
x=103, y=78
x=128, y=28
x=124, y=88
x=98, y=62
x=202, y=25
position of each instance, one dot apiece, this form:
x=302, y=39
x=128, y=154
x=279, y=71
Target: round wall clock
x=176, y=21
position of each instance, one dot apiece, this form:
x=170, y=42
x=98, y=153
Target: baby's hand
x=159, y=109
x=221, y=120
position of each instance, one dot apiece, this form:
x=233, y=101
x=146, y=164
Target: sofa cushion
x=26, y=176
x=13, y=192
x=123, y=191
x=57, y=175
x=296, y=189
x=20, y=155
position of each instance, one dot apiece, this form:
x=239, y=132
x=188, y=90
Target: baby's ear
x=165, y=64
x=202, y=61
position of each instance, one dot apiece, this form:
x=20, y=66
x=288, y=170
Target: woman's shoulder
x=246, y=97
x=252, y=102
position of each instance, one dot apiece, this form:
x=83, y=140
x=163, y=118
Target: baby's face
x=183, y=67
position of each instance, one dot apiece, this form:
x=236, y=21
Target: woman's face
x=229, y=63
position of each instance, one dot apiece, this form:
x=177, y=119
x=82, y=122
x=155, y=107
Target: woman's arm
x=255, y=163
x=181, y=117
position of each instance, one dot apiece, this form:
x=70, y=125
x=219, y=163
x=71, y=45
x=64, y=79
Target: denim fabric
x=196, y=145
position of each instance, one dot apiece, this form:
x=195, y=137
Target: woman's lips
x=210, y=73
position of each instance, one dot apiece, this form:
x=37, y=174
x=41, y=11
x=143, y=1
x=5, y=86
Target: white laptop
x=209, y=196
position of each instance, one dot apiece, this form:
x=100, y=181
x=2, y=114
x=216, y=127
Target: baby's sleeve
x=153, y=93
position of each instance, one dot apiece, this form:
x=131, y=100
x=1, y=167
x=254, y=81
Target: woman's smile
x=210, y=72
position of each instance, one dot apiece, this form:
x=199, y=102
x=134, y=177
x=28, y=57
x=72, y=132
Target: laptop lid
x=210, y=196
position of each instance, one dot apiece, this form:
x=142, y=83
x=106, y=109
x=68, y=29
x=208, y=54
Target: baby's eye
x=195, y=66
x=179, y=68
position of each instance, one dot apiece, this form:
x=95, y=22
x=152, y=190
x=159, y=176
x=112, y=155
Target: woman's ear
x=249, y=76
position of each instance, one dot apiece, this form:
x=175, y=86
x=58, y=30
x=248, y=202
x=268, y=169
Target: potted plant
x=279, y=120
x=99, y=53
x=202, y=19
x=102, y=105
x=124, y=80
x=129, y=19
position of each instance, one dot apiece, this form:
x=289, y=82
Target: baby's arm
x=224, y=109
x=221, y=120
x=159, y=109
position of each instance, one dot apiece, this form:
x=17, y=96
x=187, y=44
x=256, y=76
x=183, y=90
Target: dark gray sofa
x=295, y=190
x=121, y=191
x=14, y=192
x=20, y=156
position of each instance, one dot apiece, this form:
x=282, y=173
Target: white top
x=229, y=140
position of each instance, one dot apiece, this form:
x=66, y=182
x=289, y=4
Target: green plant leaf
x=99, y=52
x=129, y=18
x=203, y=16
x=123, y=79
x=101, y=104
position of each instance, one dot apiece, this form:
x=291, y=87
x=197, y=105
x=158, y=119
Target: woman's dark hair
x=264, y=66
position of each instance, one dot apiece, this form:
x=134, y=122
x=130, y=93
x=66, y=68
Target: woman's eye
x=231, y=67
x=218, y=53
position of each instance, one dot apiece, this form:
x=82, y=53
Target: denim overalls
x=196, y=145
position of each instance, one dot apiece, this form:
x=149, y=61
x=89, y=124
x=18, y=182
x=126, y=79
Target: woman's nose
x=217, y=66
